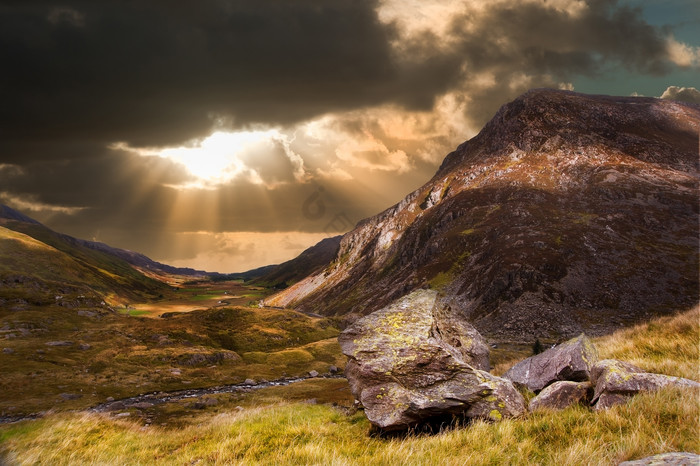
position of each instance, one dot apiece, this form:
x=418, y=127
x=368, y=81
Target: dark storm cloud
x=154, y=72
x=536, y=44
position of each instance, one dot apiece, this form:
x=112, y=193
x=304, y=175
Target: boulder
x=562, y=394
x=571, y=360
x=669, y=459
x=616, y=381
x=413, y=361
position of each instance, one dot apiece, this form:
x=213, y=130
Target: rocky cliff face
x=566, y=213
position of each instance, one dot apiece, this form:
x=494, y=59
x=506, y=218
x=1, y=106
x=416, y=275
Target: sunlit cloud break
x=224, y=156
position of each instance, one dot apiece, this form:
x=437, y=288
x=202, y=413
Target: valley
x=563, y=216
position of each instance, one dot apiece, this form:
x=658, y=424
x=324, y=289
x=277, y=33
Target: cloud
x=682, y=54
x=31, y=204
x=240, y=251
x=683, y=94
x=110, y=109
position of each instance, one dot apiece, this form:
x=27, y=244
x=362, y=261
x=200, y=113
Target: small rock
x=86, y=313
x=250, y=382
x=110, y=399
x=116, y=406
x=571, y=360
x=561, y=394
x=142, y=405
x=84, y=347
x=669, y=459
x=40, y=351
x=311, y=401
x=313, y=373
x=122, y=415
x=616, y=381
x=8, y=351
x=333, y=370
x=175, y=372
x=70, y=396
x=59, y=343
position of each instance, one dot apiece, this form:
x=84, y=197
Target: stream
x=147, y=400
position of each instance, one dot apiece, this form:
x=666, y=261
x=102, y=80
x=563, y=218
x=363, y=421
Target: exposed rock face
x=666, y=459
x=410, y=362
x=571, y=360
x=616, y=381
x=561, y=394
x=568, y=213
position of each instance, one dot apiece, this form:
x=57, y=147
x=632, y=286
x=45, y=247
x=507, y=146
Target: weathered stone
x=616, y=381
x=8, y=351
x=84, y=346
x=333, y=370
x=666, y=459
x=116, y=406
x=142, y=405
x=70, y=396
x=410, y=362
x=59, y=343
x=250, y=382
x=313, y=373
x=571, y=360
x=561, y=394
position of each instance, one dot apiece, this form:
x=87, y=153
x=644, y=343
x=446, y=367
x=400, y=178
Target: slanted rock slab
x=616, y=381
x=412, y=361
x=562, y=394
x=667, y=459
x=571, y=360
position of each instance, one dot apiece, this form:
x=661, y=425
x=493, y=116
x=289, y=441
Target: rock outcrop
x=666, y=459
x=570, y=361
x=566, y=214
x=617, y=381
x=562, y=394
x=411, y=362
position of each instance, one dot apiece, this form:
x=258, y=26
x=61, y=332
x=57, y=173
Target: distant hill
x=280, y=276
x=39, y=263
x=566, y=213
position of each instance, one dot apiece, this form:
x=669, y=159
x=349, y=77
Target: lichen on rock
x=414, y=360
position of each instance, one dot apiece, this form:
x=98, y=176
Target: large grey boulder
x=412, y=361
x=666, y=459
x=571, y=360
x=616, y=381
x=562, y=394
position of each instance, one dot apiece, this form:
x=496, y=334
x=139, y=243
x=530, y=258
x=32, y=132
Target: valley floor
x=308, y=422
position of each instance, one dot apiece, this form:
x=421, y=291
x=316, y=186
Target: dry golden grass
x=668, y=345
x=302, y=433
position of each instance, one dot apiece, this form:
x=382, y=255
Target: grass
x=273, y=427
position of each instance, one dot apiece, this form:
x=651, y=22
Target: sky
x=229, y=134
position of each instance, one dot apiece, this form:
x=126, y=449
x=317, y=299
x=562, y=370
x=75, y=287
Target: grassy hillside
x=268, y=428
x=46, y=260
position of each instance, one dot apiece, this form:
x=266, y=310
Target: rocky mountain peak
x=566, y=213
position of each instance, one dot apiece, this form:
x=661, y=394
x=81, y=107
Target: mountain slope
x=566, y=213
x=38, y=263
x=310, y=261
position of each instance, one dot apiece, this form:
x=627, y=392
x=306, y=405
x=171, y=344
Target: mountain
x=566, y=213
x=37, y=264
x=311, y=261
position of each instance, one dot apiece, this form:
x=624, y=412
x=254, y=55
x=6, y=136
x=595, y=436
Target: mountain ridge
x=546, y=223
